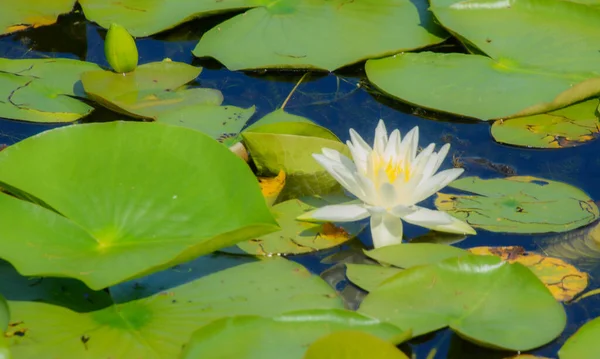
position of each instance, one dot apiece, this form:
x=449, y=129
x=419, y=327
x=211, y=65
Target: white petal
x=368, y=187
x=359, y=143
x=381, y=138
x=359, y=156
x=387, y=195
x=402, y=210
x=341, y=174
x=336, y=213
x=432, y=185
x=441, y=156
x=392, y=150
x=438, y=221
x=338, y=157
x=410, y=145
x=386, y=230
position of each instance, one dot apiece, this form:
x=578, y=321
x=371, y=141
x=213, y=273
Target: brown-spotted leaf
x=562, y=279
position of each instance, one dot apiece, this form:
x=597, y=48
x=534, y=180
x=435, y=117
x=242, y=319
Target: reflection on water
x=341, y=101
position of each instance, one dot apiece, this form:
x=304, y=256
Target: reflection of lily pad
x=135, y=195
x=353, y=344
x=563, y=279
x=459, y=293
x=566, y=127
x=478, y=86
x=149, y=91
x=40, y=90
x=23, y=14
x=222, y=123
x=408, y=255
x=319, y=34
x=580, y=247
x=519, y=204
x=297, y=237
x=290, y=333
x=156, y=326
x=584, y=343
x=290, y=149
x=369, y=276
x=511, y=29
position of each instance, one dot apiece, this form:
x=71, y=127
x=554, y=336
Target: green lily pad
x=290, y=333
x=352, y=344
x=21, y=15
x=276, y=117
x=223, y=123
x=151, y=90
x=319, y=34
x=460, y=292
x=145, y=18
x=519, y=204
x=4, y=317
x=40, y=90
x=369, y=276
x=567, y=127
x=408, y=255
x=290, y=149
x=477, y=86
x=282, y=122
x=584, y=343
x=157, y=326
x=296, y=237
x=557, y=35
x=123, y=190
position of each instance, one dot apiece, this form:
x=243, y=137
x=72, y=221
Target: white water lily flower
x=390, y=179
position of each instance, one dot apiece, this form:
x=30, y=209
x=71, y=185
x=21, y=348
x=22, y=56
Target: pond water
x=339, y=102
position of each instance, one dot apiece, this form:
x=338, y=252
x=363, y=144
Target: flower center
x=393, y=169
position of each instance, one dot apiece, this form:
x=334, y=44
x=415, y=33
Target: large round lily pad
x=24, y=14
x=566, y=127
x=296, y=237
x=124, y=191
x=584, y=343
x=369, y=276
x=557, y=35
x=290, y=333
x=519, y=204
x=319, y=34
x=151, y=90
x=478, y=86
x=482, y=298
x=157, y=325
x=408, y=255
x=40, y=90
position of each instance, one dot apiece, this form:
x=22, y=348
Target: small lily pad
x=519, y=204
x=352, y=344
x=584, y=343
x=369, y=276
x=408, y=255
x=296, y=237
x=567, y=127
x=290, y=333
x=151, y=90
x=459, y=292
x=563, y=279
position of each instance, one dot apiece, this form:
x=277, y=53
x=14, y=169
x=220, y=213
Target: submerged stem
x=293, y=90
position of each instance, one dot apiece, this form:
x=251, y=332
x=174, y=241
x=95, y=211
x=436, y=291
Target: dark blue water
x=337, y=101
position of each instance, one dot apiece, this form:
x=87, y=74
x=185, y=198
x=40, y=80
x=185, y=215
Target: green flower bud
x=120, y=49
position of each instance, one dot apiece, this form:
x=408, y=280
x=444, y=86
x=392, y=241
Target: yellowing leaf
x=23, y=14
x=562, y=279
x=271, y=187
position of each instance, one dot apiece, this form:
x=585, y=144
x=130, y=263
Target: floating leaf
x=459, y=293
x=40, y=90
x=290, y=333
x=368, y=276
x=145, y=18
x=151, y=90
x=290, y=149
x=271, y=187
x=352, y=344
x=319, y=34
x=21, y=15
x=519, y=204
x=222, y=123
x=569, y=126
x=157, y=325
x=478, y=86
x=276, y=117
x=281, y=122
x=297, y=237
x=511, y=29
x=563, y=279
x=584, y=343
x=139, y=196
x=408, y=255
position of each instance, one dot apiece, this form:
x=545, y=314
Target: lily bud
x=120, y=49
